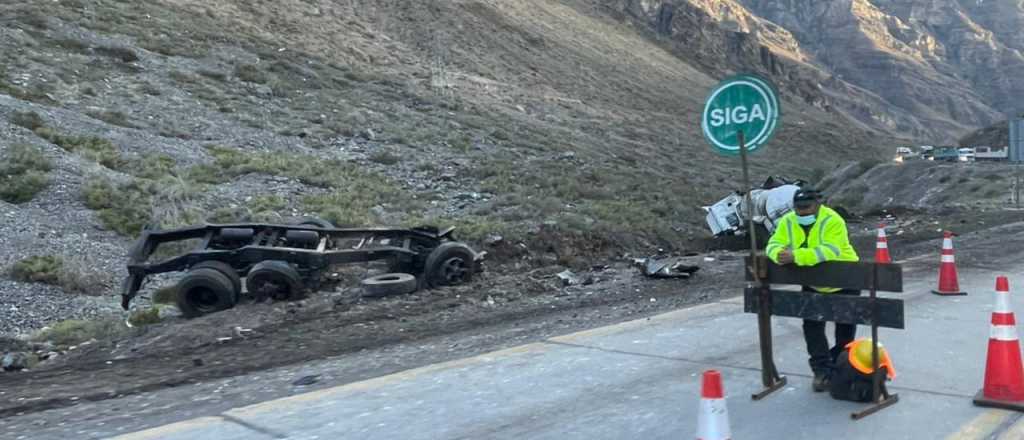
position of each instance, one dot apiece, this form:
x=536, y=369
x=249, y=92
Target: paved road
x=641, y=379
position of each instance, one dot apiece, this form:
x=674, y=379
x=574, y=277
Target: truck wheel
x=274, y=279
x=203, y=291
x=450, y=264
x=318, y=222
x=225, y=269
x=390, y=284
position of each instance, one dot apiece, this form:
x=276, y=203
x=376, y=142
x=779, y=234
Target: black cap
x=805, y=197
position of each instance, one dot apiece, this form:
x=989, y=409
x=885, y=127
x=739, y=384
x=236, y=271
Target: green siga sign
x=744, y=103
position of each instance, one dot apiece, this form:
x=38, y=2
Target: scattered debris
x=568, y=278
x=14, y=361
x=665, y=267
x=242, y=332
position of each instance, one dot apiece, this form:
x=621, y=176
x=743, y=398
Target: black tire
x=318, y=222
x=225, y=269
x=450, y=264
x=203, y=291
x=274, y=279
x=390, y=284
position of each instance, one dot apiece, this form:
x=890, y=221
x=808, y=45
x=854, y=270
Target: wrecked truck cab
x=770, y=202
x=282, y=262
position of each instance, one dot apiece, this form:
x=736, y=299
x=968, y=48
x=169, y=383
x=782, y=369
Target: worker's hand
x=786, y=256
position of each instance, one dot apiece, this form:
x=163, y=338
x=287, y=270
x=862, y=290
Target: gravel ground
x=28, y=306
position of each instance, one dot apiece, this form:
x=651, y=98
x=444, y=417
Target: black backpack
x=847, y=383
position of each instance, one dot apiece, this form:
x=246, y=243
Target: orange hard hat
x=860, y=357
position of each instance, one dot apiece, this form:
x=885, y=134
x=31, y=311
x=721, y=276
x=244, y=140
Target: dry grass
x=73, y=274
x=24, y=173
x=73, y=332
x=94, y=148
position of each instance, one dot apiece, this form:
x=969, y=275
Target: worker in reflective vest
x=812, y=234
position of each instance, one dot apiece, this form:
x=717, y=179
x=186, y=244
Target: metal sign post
x=770, y=377
x=742, y=106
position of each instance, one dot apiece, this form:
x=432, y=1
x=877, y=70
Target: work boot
x=820, y=382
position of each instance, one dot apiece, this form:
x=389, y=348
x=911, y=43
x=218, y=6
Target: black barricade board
x=839, y=274
x=844, y=309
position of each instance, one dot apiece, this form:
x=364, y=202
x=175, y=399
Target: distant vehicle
x=946, y=154
x=927, y=152
x=991, y=153
x=905, y=153
x=965, y=154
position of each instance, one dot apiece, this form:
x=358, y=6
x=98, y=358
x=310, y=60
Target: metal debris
x=568, y=278
x=673, y=267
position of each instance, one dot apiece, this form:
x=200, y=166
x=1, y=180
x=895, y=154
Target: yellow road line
x=174, y=428
x=283, y=403
x=1015, y=432
x=982, y=426
x=298, y=399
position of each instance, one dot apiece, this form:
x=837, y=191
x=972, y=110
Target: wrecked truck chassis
x=300, y=253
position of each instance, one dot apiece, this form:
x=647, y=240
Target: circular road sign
x=745, y=103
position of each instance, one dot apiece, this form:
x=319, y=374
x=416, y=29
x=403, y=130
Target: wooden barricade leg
x=770, y=377
x=880, y=397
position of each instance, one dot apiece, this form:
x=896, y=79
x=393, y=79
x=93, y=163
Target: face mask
x=806, y=220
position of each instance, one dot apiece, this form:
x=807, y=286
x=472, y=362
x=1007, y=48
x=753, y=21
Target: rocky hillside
x=997, y=135
x=547, y=131
x=929, y=70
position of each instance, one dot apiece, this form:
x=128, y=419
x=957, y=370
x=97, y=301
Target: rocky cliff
x=924, y=69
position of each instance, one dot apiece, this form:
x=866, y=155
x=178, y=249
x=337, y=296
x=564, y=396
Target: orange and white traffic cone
x=949, y=284
x=713, y=419
x=1004, y=373
x=882, y=246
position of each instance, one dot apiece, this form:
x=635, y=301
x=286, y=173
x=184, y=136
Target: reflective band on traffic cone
x=1004, y=373
x=713, y=419
x=882, y=247
x=948, y=282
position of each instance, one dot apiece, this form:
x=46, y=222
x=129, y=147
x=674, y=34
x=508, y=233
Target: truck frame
x=283, y=261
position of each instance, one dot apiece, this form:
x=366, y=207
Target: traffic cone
x=1004, y=374
x=948, y=282
x=882, y=246
x=713, y=421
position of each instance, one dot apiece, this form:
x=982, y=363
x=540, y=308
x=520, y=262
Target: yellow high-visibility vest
x=826, y=241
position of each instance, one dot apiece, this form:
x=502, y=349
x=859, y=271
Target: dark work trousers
x=822, y=358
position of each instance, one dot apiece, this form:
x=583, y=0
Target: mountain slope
x=940, y=68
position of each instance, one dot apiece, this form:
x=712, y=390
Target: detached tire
x=203, y=291
x=450, y=264
x=274, y=279
x=390, y=284
x=318, y=222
